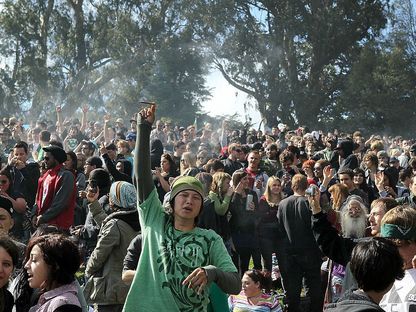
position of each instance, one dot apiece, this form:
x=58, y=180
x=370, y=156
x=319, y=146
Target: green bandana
x=398, y=232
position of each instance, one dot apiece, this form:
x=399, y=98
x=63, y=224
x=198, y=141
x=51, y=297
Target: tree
x=380, y=93
x=291, y=55
x=105, y=53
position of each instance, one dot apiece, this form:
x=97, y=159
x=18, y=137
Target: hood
x=131, y=217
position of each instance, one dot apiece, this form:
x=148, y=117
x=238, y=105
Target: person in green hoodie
x=179, y=260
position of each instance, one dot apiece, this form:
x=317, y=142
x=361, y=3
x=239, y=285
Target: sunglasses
x=46, y=158
x=4, y=181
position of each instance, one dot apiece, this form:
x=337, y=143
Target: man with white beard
x=353, y=217
x=353, y=224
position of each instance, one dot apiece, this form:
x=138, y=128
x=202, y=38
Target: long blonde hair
x=190, y=158
x=268, y=192
x=218, y=179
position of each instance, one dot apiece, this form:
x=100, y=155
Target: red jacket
x=55, y=198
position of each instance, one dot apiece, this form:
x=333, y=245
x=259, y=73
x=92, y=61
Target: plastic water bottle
x=275, y=268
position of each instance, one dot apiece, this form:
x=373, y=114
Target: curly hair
x=62, y=256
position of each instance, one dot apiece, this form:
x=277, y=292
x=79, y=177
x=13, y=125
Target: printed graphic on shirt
x=402, y=296
x=180, y=254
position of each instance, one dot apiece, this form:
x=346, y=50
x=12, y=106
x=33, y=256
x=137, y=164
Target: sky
x=227, y=100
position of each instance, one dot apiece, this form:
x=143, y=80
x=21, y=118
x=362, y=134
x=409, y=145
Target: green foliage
x=109, y=54
x=324, y=64
x=292, y=56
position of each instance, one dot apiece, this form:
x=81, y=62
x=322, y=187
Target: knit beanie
x=186, y=183
x=123, y=195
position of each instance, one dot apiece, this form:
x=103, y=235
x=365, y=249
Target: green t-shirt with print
x=168, y=257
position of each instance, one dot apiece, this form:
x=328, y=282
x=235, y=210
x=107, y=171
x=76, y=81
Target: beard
x=354, y=227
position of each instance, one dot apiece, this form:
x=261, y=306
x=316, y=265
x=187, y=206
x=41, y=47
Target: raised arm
x=59, y=123
x=142, y=168
x=84, y=119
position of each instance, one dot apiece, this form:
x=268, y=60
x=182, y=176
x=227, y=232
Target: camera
x=311, y=190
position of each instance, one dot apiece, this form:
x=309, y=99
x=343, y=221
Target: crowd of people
x=155, y=217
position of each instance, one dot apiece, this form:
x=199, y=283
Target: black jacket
x=294, y=220
x=210, y=220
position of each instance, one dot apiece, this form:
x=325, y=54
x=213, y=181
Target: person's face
x=253, y=160
x=187, y=205
x=20, y=153
x=405, y=145
x=413, y=186
x=276, y=188
x=50, y=161
x=35, y=136
x=6, y=222
x=202, y=159
x=122, y=149
x=85, y=150
x=36, y=268
x=358, y=179
x=180, y=150
x=225, y=185
x=407, y=252
x=271, y=153
x=164, y=164
x=245, y=182
x=120, y=166
x=68, y=163
x=368, y=163
x=112, y=154
x=346, y=180
x=310, y=148
x=132, y=144
x=88, y=168
x=383, y=160
x=4, y=137
x=4, y=183
x=308, y=170
x=376, y=214
x=318, y=171
x=249, y=287
x=184, y=163
x=6, y=267
x=80, y=160
x=185, y=136
x=192, y=131
x=97, y=127
x=354, y=209
x=235, y=153
x=287, y=165
x=73, y=132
